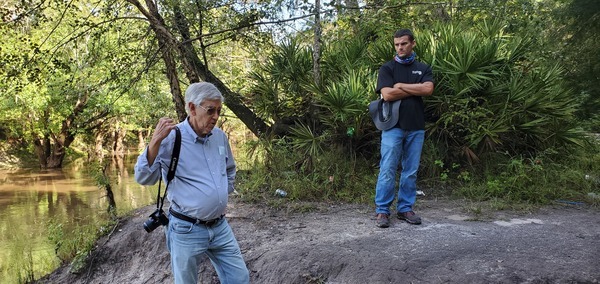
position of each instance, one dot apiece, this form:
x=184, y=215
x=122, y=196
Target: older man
x=198, y=194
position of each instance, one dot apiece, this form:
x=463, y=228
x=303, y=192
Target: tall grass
x=332, y=176
x=508, y=181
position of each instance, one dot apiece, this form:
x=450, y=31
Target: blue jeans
x=187, y=242
x=398, y=145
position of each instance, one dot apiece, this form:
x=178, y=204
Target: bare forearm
x=393, y=94
x=419, y=89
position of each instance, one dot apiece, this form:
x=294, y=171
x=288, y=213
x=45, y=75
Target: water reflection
x=30, y=200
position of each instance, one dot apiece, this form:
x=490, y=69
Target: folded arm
x=403, y=90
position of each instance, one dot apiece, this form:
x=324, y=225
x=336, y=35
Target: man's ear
x=192, y=108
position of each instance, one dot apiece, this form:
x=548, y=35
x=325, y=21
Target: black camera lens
x=157, y=218
x=150, y=225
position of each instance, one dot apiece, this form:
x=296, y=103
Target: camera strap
x=172, y=167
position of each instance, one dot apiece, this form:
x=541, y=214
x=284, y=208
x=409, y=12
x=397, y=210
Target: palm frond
x=348, y=99
x=305, y=140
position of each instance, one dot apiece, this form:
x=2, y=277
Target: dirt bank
x=340, y=244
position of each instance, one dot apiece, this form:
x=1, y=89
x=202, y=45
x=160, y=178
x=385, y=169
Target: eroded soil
x=339, y=243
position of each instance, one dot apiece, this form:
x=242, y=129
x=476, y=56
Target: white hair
x=196, y=93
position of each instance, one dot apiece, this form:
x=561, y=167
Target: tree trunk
x=171, y=72
x=118, y=150
x=317, y=45
x=166, y=43
x=39, y=145
x=141, y=139
x=98, y=154
x=195, y=69
x=112, y=205
x=55, y=160
x=66, y=136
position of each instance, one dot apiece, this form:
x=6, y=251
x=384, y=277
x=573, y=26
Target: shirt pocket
x=222, y=160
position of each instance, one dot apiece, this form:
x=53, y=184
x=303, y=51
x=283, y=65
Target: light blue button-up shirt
x=205, y=172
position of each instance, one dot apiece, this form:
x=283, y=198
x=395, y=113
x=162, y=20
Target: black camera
x=157, y=218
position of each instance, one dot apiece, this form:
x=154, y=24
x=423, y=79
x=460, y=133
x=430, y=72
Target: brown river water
x=34, y=203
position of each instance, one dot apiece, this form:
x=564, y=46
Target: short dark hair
x=404, y=32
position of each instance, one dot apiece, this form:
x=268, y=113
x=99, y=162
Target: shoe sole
x=410, y=222
x=383, y=224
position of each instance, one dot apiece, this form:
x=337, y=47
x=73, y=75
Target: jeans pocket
x=181, y=227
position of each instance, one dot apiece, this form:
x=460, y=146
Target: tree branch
x=22, y=15
x=247, y=26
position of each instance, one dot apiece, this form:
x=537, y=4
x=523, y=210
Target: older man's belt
x=208, y=223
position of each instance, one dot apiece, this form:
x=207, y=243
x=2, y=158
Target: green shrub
x=75, y=245
x=332, y=176
x=549, y=177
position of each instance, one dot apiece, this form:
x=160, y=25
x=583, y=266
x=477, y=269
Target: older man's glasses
x=211, y=110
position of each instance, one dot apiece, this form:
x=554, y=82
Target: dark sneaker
x=382, y=220
x=410, y=217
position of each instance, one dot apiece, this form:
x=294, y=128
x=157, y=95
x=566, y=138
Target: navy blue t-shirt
x=412, y=109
